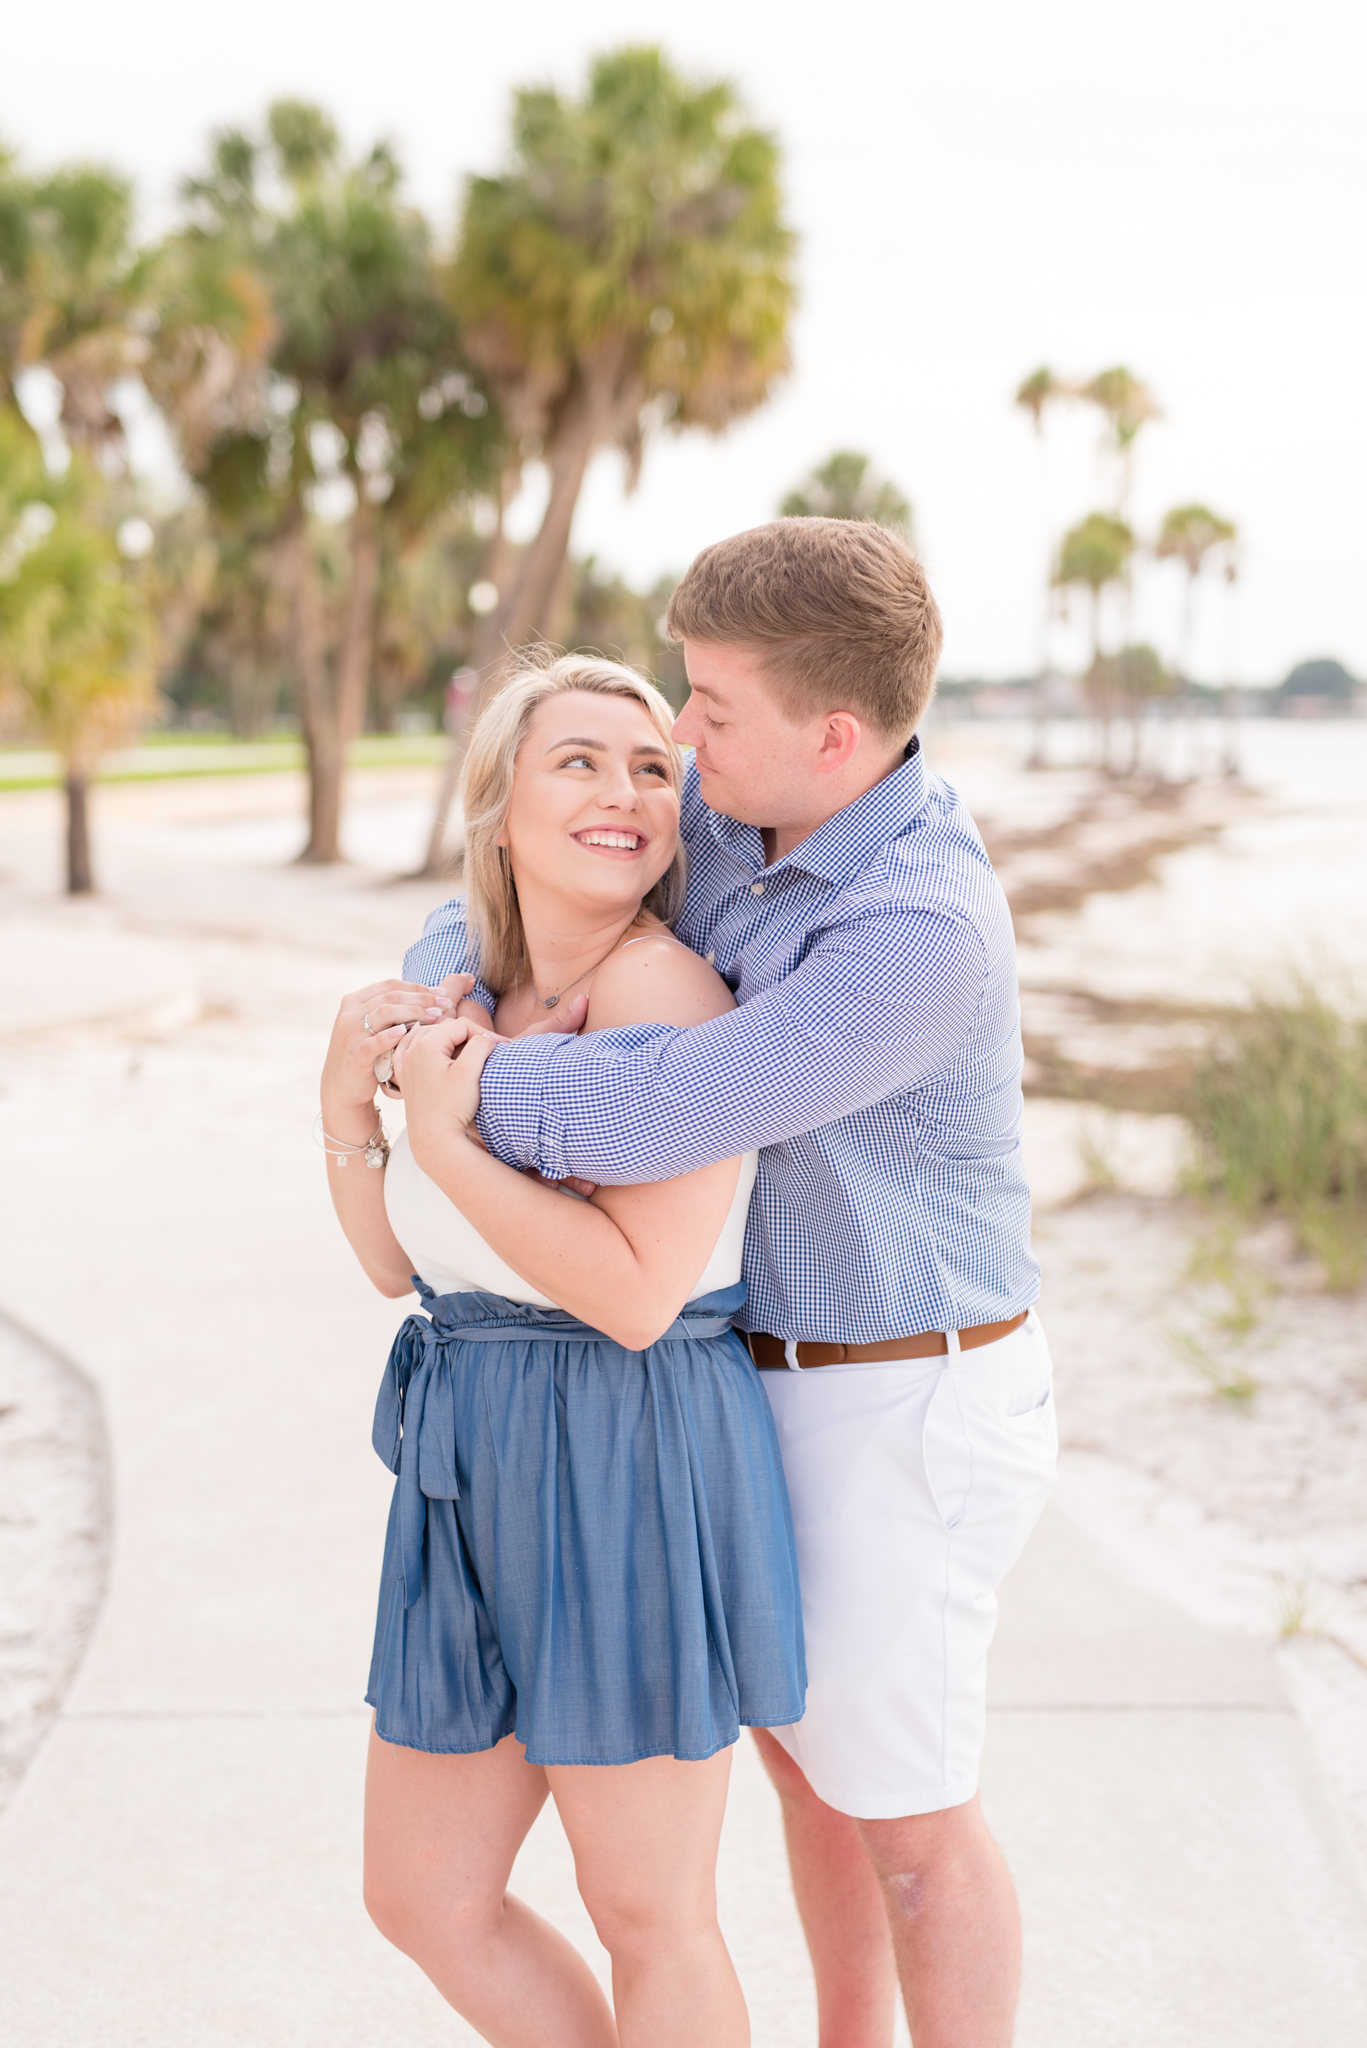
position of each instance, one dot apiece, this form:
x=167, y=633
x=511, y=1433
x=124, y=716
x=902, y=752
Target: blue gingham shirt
x=874, y=1060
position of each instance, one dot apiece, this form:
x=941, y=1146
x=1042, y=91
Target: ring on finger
x=366, y=1024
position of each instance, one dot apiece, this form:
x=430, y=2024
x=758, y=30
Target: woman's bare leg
x=645, y=1852
x=441, y=1833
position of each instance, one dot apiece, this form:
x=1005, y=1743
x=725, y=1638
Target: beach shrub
x=1280, y=1110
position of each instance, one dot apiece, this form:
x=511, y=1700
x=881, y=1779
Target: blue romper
x=588, y=1547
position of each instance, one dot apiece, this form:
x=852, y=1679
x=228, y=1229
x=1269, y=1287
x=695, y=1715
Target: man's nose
x=682, y=730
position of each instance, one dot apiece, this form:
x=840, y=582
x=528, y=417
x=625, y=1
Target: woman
x=589, y=1582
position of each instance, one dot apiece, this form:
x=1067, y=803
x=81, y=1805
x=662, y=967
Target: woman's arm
x=627, y=1261
x=350, y=1118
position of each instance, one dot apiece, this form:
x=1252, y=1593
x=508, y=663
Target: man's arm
x=878, y=1005
x=447, y=947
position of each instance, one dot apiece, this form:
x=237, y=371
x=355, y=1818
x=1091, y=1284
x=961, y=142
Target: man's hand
x=438, y=1067
x=569, y=1018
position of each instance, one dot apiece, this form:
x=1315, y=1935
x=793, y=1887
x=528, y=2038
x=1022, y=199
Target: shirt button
x=757, y=888
x=710, y=958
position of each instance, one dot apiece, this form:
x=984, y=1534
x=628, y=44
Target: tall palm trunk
x=525, y=611
x=493, y=569
x=331, y=717
x=80, y=880
x=300, y=576
x=1102, y=689
x=1184, y=703
x=358, y=632
x=1039, y=728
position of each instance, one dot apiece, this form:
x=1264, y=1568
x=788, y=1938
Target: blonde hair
x=487, y=788
x=839, y=610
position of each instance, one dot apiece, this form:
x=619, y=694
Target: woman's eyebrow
x=599, y=746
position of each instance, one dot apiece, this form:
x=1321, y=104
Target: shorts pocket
x=990, y=1451
x=1027, y=1405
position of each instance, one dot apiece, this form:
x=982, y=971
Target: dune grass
x=1279, y=1104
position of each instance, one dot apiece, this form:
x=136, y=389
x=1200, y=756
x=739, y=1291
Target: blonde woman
x=589, y=1581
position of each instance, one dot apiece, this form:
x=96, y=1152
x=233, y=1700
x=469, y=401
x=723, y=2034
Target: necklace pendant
x=549, y=1002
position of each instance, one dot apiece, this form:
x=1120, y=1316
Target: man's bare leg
x=841, y=1904
x=955, y=1925
x=945, y=1893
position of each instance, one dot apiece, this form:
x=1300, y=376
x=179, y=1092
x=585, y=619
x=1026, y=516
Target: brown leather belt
x=769, y=1352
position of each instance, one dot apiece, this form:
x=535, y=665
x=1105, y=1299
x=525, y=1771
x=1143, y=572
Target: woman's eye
x=656, y=768
x=576, y=761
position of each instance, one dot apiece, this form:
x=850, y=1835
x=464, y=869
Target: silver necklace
x=549, y=1002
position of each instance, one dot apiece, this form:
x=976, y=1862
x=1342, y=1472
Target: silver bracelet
x=375, y=1149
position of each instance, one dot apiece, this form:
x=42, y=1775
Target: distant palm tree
x=1193, y=535
x=1128, y=405
x=846, y=487
x=72, y=286
x=308, y=342
x=632, y=270
x=76, y=635
x=1041, y=390
x=1094, y=556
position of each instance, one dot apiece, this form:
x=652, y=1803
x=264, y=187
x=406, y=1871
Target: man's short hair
x=838, y=609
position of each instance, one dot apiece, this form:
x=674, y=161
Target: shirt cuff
x=512, y=1119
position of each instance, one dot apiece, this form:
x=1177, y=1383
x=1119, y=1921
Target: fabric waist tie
x=414, y=1432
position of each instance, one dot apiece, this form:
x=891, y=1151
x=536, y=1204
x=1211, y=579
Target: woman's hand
x=390, y=1006
x=438, y=1070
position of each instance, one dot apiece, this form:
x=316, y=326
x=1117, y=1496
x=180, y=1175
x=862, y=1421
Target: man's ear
x=839, y=742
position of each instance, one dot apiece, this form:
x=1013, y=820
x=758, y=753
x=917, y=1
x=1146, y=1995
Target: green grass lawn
x=165, y=755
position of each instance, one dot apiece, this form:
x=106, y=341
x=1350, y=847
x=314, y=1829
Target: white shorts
x=914, y=1486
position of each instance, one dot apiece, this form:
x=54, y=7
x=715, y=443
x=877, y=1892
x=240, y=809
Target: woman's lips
x=618, y=845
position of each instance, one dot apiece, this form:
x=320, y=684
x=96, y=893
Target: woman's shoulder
x=655, y=979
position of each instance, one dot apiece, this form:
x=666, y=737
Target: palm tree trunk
x=533, y=593
x=1103, y=689
x=525, y=611
x=1039, y=727
x=485, y=660
x=80, y=880
x=317, y=713
x=358, y=633
x=1184, y=675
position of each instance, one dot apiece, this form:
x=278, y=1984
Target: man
x=844, y=893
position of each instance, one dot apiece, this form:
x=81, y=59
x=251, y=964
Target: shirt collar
x=847, y=842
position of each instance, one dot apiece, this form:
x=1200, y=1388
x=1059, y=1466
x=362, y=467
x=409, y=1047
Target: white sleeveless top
x=451, y=1256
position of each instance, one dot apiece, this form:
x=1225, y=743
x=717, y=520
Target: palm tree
x=72, y=286
x=337, y=346
x=1139, y=678
x=1192, y=535
x=845, y=487
x=76, y=634
x=1095, y=555
x=1041, y=390
x=630, y=271
x=1128, y=405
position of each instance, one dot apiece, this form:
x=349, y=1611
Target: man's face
x=754, y=763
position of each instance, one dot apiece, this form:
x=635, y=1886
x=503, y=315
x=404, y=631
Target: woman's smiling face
x=594, y=813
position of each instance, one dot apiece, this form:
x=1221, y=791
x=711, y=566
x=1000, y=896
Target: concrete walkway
x=180, y=1865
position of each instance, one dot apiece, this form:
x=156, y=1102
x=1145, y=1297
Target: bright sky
x=978, y=188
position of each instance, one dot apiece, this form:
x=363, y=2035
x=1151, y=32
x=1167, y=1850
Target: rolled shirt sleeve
x=879, y=1004
x=447, y=946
